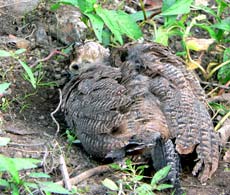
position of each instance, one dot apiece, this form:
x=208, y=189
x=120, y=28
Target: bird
x=138, y=99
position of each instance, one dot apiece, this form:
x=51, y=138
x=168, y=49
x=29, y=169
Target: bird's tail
x=163, y=154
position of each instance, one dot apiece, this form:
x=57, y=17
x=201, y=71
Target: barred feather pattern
x=149, y=92
x=93, y=104
x=183, y=103
x=109, y=111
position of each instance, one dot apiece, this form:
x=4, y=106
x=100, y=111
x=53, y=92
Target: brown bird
x=138, y=101
x=183, y=103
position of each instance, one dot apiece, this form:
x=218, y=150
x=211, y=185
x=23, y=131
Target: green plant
x=29, y=74
x=71, y=137
x=181, y=17
x=4, y=101
x=191, y=17
x=5, y=104
x=3, y=87
x=224, y=70
x=12, y=182
x=39, y=77
x=132, y=180
x=104, y=22
x=27, y=69
x=155, y=182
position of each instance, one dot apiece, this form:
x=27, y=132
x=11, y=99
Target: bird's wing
x=182, y=101
x=95, y=105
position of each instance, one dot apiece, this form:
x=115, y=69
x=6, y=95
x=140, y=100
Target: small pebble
x=58, y=69
x=57, y=76
x=42, y=117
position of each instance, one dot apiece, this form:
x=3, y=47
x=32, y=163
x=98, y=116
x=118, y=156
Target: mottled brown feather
x=146, y=90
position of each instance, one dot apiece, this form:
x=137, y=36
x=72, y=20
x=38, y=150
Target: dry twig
x=224, y=132
x=48, y=57
x=221, y=122
x=214, y=84
x=87, y=174
x=15, y=3
x=221, y=98
x=55, y=111
x=221, y=92
x=64, y=172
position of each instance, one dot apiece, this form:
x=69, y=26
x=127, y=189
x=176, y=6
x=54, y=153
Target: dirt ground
x=27, y=115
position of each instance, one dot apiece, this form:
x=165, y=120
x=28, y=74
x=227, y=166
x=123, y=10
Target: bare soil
x=27, y=118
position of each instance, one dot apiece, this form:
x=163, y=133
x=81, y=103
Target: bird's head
x=89, y=55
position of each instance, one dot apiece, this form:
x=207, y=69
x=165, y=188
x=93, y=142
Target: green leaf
x=164, y=186
x=139, y=177
x=219, y=107
x=223, y=25
x=166, y=4
x=181, y=53
x=4, y=87
x=119, y=23
x=31, y=185
x=221, y=6
x=207, y=10
x=39, y=175
x=86, y=6
x=179, y=7
x=161, y=174
x=145, y=189
x=209, y=29
x=106, y=34
x=168, y=20
x=115, y=166
x=128, y=162
x=4, y=141
x=224, y=72
x=128, y=26
x=29, y=73
x=4, y=53
x=48, y=187
x=109, y=17
x=69, y=2
x=55, y=6
x=97, y=24
x=19, y=51
x=53, y=187
x=25, y=163
x=7, y=164
x=226, y=55
x=161, y=36
x=70, y=136
x=4, y=183
x=14, y=189
x=142, y=167
x=110, y=184
x=139, y=16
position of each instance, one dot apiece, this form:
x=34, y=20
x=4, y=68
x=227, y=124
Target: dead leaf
x=224, y=132
x=198, y=44
x=193, y=64
x=153, y=3
x=201, y=2
x=18, y=42
x=226, y=157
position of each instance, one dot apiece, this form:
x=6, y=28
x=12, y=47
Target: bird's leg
x=163, y=154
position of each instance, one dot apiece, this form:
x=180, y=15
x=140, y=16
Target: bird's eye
x=75, y=66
